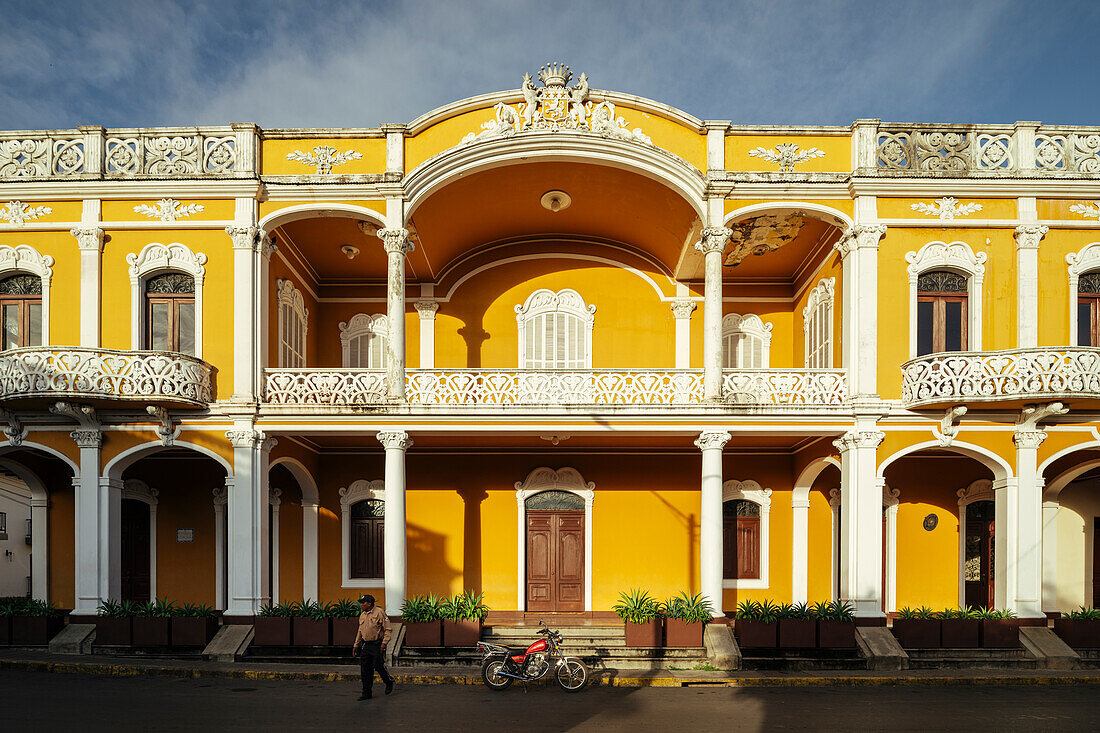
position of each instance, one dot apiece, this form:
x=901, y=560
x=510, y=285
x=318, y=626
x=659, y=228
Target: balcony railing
x=990, y=376
x=453, y=387
x=83, y=373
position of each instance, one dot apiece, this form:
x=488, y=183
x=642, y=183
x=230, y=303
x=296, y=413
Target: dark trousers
x=371, y=659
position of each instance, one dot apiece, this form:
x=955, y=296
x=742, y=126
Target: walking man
x=370, y=645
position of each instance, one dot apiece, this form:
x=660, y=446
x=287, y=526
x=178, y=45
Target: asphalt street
x=35, y=701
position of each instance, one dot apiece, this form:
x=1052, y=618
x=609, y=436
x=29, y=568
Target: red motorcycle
x=503, y=665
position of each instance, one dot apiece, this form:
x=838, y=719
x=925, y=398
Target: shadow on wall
x=691, y=535
x=428, y=571
x=471, y=537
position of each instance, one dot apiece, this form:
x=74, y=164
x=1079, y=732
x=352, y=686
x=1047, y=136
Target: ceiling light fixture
x=555, y=201
x=350, y=252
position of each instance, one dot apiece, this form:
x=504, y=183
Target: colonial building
x=552, y=344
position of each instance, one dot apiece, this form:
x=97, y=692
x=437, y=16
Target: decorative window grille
x=746, y=342
x=555, y=331
x=293, y=324
x=554, y=500
x=363, y=341
x=817, y=322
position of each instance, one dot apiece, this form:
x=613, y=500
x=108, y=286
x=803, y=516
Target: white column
x=1005, y=500
x=245, y=331
x=860, y=522
x=248, y=521
x=89, y=240
x=681, y=311
x=221, y=497
x=309, y=549
x=890, y=498
x=712, y=245
x=396, y=442
x=800, y=526
x=427, y=310
x=858, y=248
x=1025, y=549
x=40, y=555
x=397, y=244
x=1027, y=284
x=1050, y=556
x=710, y=518
x=274, y=499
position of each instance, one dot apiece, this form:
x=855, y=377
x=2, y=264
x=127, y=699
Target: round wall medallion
x=930, y=522
x=555, y=201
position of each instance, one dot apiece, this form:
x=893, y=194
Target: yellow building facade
x=550, y=345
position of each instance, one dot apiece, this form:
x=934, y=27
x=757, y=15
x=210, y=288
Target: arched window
x=21, y=309
x=817, y=322
x=293, y=320
x=746, y=341
x=170, y=313
x=367, y=542
x=741, y=540
x=363, y=341
x=555, y=331
x=942, y=299
x=1088, y=309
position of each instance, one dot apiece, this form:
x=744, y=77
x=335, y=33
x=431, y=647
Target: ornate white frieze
x=18, y=212
x=787, y=155
x=946, y=208
x=555, y=106
x=168, y=210
x=1089, y=211
x=1035, y=373
x=324, y=157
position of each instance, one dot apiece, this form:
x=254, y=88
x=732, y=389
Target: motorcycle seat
x=517, y=651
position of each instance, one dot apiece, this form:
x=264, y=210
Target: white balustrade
x=149, y=376
x=1001, y=375
x=325, y=387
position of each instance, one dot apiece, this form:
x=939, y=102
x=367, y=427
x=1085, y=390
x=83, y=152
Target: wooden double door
x=555, y=561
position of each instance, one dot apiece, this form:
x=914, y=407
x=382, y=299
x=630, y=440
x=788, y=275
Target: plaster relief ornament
x=946, y=208
x=761, y=235
x=555, y=106
x=1085, y=210
x=17, y=212
x=786, y=155
x=168, y=210
x=324, y=157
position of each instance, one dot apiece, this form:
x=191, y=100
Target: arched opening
x=1071, y=530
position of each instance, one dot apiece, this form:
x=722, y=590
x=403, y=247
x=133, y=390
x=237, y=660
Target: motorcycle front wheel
x=572, y=674
x=491, y=676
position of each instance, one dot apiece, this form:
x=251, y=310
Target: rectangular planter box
x=34, y=630
x=1000, y=633
x=797, y=633
x=836, y=634
x=679, y=633
x=917, y=633
x=152, y=631
x=309, y=632
x=959, y=633
x=647, y=634
x=113, y=631
x=461, y=633
x=1078, y=633
x=427, y=633
x=756, y=634
x=271, y=631
x=193, y=631
x=5, y=630
x=344, y=631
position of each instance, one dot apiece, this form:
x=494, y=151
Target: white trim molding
x=290, y=300
x=544, y=302
x=155, y=259
x=547, y=479
x=956, y=257
x=752, y=326
x=980, y=490
x=1080, y=263
x=823, y=294
x=138, y=490
x=360, y=490
x=749, y=490
x=361, y=324
x=24, y=258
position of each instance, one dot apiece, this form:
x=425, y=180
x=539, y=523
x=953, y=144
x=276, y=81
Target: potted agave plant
x=421, y=617
x=836, y=625
x=1080, y=629
x=998, y=629
x=958, y=628
x=757, y=624
x=917, y=628
x=35, y=623
x=797, y=627
x=153, y=623
x=462, y=616
x=272, y=625
x=344, y=615
x=641, y=615
x=193, y=624
x=114, y=623
x=685, y=616
x=309, y=624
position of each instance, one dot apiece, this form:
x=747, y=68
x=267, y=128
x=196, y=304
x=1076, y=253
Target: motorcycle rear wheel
x=571, y=674
x=490, y=675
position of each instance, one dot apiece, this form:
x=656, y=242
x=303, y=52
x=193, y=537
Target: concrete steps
x=802, y=659
x=971, y=659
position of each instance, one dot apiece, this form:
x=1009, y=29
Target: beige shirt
x=373, y=625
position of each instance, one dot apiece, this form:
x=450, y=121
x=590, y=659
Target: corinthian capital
x=1029, y=438
x=395, y=240
x=1029, y=235
x=712, y=440
x=714, y=239
x=243, y=237
x=88, y=238
x=395, y=440
x=682, y=308
x=243, y=438
x=87, y=438
x=427, y=309
x=860, y=236
x=859, y=439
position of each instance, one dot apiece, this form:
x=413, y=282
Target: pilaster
x=1027, y=284
x=89, y=240
x=248, y=527
x=861, y=521
x=427, y=309
x=682, y=309
x=858, y=248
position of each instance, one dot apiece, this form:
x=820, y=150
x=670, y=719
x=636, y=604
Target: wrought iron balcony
x=471, y=387
x=157, y=377
x=1016, y=375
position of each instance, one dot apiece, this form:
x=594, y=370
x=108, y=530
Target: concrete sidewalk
x=35, y=661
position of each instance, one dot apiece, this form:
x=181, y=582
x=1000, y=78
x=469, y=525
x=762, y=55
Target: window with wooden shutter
x=741, y=540
x=170, y=313
x=363, y=341
x=21, y=310
x=555, y=331
x=746, y=342
x=367, y=540
x=1088, y=309
x=293, y=320
x=942, y=301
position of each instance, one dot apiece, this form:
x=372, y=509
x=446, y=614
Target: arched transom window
x=817, y=322
x=363, y=341
x=21, y=310
x=555, y=331
x=942, y=299
x=170, y=312
x=293, y=320
x=746, y=342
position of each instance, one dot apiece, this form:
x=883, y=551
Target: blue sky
x=357, y=64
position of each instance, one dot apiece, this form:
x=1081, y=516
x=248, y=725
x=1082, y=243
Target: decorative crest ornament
x=947, y=207
x=787, y=155
x=168, y=210
x=17, y=212
x=324, y=157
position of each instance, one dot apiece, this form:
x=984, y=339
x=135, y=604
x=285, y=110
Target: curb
x=120, y=670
